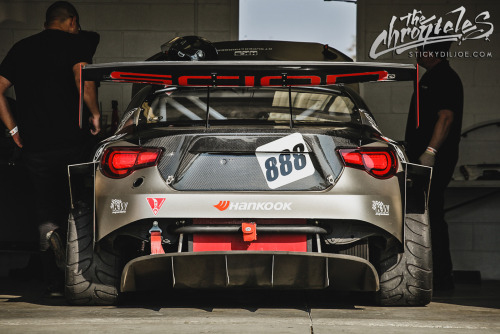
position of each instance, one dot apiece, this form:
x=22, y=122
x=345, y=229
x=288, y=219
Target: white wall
x=130, y=29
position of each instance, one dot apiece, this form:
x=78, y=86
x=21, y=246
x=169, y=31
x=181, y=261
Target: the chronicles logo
x=253, y=206
x=417, y=29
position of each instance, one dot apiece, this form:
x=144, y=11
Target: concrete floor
x=471, y=308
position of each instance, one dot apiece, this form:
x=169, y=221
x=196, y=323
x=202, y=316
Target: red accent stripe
x=332, y=78
x=418, y=100
x=141, y=78
x=249, y=81
x=264, y=242
x=184, y=80
x=80, y=105
x=314, y=80
x=266, y=81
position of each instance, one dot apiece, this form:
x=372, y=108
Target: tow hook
x=249, y=231
x=156, y=239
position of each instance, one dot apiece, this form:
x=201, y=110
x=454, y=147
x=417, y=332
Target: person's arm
x=439, y=135
x=5, y=113
x=442, y=128
x=90, y=98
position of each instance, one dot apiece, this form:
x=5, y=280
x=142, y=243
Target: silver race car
x=248, y=174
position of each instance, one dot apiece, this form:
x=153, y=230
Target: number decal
x=285, y=163
x=299, y=159
x=286, y=166
x=271, y=169
x=285, y=160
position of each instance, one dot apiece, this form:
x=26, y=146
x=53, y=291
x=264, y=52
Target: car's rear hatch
x=258, y=161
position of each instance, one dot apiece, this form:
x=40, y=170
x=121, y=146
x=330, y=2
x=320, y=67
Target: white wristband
x=431, y=150
x=14, y=131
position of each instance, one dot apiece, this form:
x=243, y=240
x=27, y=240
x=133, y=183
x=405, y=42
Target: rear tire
x=406, y=278
x=92, y=274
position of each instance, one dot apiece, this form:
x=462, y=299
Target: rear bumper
x=249, y=269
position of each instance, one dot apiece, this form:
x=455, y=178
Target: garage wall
x=474, y=225
x=480, y=76
x=130, y=30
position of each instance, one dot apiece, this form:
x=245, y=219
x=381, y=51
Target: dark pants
x=441, y=176
x=48, y=173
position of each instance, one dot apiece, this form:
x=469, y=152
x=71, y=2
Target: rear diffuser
x=249, y=269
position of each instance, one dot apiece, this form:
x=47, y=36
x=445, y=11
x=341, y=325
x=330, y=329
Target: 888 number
x=286, y=163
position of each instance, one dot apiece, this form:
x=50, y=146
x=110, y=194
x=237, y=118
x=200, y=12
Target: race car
x=248, y=174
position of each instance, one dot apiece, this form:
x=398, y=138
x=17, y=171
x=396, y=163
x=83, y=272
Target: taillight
x=378, y=162
x=118, y=162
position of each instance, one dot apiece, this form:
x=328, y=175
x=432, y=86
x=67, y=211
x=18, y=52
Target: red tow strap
x=156, y=247
x=155, y=238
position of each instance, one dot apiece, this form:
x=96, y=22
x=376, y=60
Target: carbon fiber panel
x=227, y=162
x=245, y=269
x=170, y=158
x=235, y=172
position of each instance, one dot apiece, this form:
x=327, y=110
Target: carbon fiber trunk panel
x=228, y=162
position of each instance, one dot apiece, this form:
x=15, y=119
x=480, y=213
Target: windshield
x=236, y=105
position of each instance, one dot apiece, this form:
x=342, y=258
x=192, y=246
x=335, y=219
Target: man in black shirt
x=45, y=72
x=435, y=143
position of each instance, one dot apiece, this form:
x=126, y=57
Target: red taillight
x=380, y=163
x=118, y=162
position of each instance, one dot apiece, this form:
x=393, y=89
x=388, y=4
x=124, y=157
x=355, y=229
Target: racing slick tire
x=92, y=273
x=406, y=278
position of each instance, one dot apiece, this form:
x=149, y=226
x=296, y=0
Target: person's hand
x=14, y=132
x=18, y=140
x=428, y=157
x=95, y=125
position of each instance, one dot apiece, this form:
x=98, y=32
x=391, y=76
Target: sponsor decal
x=250, y=80
x=285, y=160
x=223, y=205
x=380, y=208
x=253, y=206
x=155, y=203
x=415, y=31
x=118, y=206
x=246, y=53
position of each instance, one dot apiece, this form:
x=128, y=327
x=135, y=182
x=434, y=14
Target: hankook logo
x=254, y=206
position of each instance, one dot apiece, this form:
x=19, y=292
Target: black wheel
x=406, y=278
x=92, y=274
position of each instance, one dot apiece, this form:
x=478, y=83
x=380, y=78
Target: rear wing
x=246, y=73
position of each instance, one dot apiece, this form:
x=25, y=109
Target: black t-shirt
x=440, y=88
x=41, y=69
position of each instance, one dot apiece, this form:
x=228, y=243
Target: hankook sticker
x=285, y=160
x=253, y=206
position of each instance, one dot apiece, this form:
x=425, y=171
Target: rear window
x=239, y=105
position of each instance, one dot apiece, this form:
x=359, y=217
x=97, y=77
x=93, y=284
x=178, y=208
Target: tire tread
x=92, y=275
x=407, y=280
